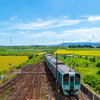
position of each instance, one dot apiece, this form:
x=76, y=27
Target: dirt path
x=41, y=53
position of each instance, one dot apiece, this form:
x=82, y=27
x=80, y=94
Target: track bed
x=40, y=86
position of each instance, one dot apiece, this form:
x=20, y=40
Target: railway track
x=71, y=98
x=28, y=86
x=18, y=80
x=11, y=84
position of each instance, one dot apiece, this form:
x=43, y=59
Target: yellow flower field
x=78, y=52
x=14, y=60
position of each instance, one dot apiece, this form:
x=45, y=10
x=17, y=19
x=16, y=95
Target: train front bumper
x=70, y=92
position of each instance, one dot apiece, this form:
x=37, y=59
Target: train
x=69, y=80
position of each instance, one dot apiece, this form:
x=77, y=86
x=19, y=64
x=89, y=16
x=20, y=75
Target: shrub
x=74, y=64
x=64, y=56
x=98, y=72
x=90, y=59
x=77, y=65
x=80, y=56
x=36, y=55
x=98, y=65
x=91, y=80
x=31, y=56
x=2, y=72
x=87, y=64
x=86, y=57
x=94, y=59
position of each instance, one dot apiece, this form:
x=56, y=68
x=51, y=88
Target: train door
x=71, y=82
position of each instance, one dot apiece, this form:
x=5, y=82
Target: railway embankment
x=89, y=94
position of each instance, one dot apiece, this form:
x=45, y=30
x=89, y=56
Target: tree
x=98, y=65
x=77, y=65
x=90, y=59
x=86, y=57
x=87, y=64
x=80, y=56
x=64, y=56
x=94, y=59
x=31, y=56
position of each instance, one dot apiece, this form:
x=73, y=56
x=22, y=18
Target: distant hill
x=81, y=43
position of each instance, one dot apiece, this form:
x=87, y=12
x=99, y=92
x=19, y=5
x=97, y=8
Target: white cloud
x=13, y=17
x=33, y=26
x=39, y=20
x=67, y=22
x=93, y=18
x=65, y=17
x=75, y=35
x=46, y=34
x=21, y=32
x=4, y=33
x=83, y=35
x=45, y=24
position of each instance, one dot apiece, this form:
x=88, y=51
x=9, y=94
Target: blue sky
x=33, y=22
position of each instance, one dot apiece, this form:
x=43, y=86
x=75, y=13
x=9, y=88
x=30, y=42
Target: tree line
x=80, y=46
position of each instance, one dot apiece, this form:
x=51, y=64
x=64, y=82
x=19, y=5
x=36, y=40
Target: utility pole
x=57, y=89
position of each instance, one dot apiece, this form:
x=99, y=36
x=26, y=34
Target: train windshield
x=77, y=78
x=66, y=78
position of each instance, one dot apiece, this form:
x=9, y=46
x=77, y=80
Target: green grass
x=35, y=59
x=86, y=71
x=24, y=51
x=18, y=53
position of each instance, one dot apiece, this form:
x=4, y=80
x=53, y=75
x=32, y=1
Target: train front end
x=71, y=83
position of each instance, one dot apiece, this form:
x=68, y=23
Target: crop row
x=78, y=52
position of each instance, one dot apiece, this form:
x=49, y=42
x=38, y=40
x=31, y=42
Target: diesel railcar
x=68, y=79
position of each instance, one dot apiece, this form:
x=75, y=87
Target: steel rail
x=30, y=97
x=10, y=85
x=23, y=78
x=38, y=87
x=29, y=87
x=28, y=81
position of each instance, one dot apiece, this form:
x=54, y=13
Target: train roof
x=61, y=66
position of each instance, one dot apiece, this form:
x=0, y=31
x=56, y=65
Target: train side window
x=66, y=78
x=77, y=78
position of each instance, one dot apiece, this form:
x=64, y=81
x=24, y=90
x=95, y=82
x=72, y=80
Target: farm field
x=88, y=69
x=14, y=60
x=19, y=56
x=79, y=52
x=18, y=53
x=24, y=51
x=18, y=61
